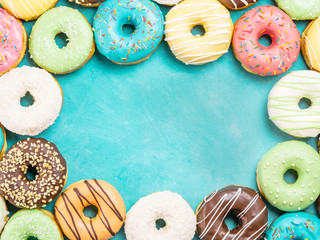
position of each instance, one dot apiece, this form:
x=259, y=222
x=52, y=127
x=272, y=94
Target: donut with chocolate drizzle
x=49, y=181
x=76, y=225
x=238, y=4
x=245, y=203
x=88, y=3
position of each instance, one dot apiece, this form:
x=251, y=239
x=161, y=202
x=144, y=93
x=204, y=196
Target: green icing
x=43, y=48
x=300, y=9
x=30, y=223
x=295, y=155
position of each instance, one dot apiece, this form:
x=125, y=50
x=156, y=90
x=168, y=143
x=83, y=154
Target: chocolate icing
x=243, y=202
x=88, y=2
x=49, y=182
x=237, y=4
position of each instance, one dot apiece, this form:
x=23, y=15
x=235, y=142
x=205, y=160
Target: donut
x=179, y=218
x=310, y=45
x=256, y=58
x=318, y=205
x=3, y=213
x=290, y=155
x=298, y=225
x=238, y=4
x=71, y=203
x=300, y=9
x=198, y=50
x=128, y=48
x=79, y=49
x=167, y=2
x=46, y=93
x=88, y=3
x=3, y=141
x=283, y=104
x=13, y=45
x=28, y=10
x=49, y=181
x=32, y=224
x=245, y=203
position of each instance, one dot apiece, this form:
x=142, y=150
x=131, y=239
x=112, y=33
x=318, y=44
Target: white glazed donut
x=44, y=89
x=283, y=104
x=177, y=214
x=3, y=213
x=168, y=2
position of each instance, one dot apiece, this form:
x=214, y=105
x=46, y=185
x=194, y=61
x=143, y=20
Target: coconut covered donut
x=179, y=218
x=88, y=3
x=168, y=2
x=46, y=93
x=300, y=9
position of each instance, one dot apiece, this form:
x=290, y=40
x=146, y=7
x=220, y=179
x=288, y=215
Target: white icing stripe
x=13, y=9
x=27, y=9
x=253, y=201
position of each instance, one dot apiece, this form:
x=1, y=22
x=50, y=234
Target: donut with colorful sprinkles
x=298, y=225
x=257, y=58
x=146, y=19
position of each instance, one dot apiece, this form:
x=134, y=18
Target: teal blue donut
x=123, y=48
x=298, y=225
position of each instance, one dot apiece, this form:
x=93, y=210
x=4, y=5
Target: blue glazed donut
x=298, y=225
x=128, y=48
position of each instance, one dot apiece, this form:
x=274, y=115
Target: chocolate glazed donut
x=238, y=4
x=88, y=3
x=243, y=202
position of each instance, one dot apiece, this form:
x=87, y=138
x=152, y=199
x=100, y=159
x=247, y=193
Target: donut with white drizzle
x=241, y=201
x=238, y=4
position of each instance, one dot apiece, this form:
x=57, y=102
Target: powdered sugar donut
x=179, y=218
x=46, y=93
x=168, y=2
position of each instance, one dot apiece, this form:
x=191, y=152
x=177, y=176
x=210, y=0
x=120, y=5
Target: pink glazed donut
x=256, y=58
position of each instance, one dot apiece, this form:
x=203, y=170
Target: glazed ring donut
x=290, y=155
x=4, y=214
x=47, y=54
x=298, y=225
x=71, y=203
x=238, y=4
x=13, y=41
x=198, y=50
x=241, y=201
x=28, y=10
x=124, y=48
x=283, y=104
x=44, y=89
x=88, y=3
x=179, y=218
x=3, y=141
x=50, y=178
x=256, y=58
x=299, y=9
x=32, y=223
x=310, y=44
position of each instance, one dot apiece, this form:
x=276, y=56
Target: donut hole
x=304, y=103
x=32, y=172
x=27, y=100
x=90, y=211
x=61, y=40
x=232, y=221
x=290, y=176
x=265, y=40
x=198, y=30
x=128, y=29
x=32, y=238
x=160, y=223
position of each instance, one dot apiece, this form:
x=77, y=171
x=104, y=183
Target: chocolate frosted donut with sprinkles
x=245, y=203
x=49, y=167
x=264, y=60
x=238, y=4
x=128, y=31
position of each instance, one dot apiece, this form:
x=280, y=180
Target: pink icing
x=11, y=40
x=284, y=49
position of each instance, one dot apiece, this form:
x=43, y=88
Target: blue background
x=161, y=125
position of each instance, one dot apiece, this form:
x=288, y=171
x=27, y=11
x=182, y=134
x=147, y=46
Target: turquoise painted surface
x=162, y=125
x=1, y=139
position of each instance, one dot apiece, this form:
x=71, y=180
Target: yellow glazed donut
x=198, y=50
x=27, y=9
x=310, y=47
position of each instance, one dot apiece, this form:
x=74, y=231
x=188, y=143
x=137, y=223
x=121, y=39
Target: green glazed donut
x=300, y=9
x=47, y=54
x=36, y=223
x=294, y=155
